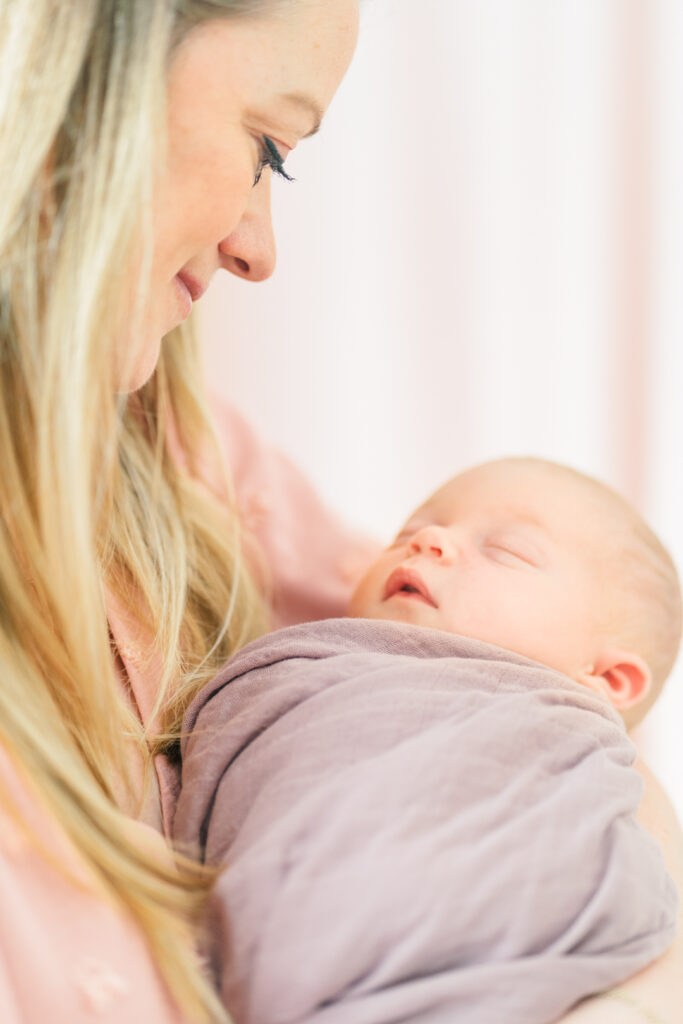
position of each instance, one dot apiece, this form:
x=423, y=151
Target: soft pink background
x=482, y=255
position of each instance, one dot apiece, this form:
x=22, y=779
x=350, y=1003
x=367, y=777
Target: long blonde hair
x=90, y=500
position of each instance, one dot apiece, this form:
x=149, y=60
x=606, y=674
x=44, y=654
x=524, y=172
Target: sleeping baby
x=427, y=810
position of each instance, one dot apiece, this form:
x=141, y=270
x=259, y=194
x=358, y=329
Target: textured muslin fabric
x=416, y=827
x=310, y=561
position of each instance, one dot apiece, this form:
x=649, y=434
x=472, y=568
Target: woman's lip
x=194, y=287
x=184, y=295
x=403, y=577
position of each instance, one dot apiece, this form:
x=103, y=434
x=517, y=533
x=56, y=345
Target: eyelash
x=271, y=158
x=513, y=553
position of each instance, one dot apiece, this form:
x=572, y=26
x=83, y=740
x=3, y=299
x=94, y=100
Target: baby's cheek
x=363, y=596
x=366, y=600
x=553, y=630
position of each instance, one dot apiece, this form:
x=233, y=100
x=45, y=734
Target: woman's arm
x=655, y=994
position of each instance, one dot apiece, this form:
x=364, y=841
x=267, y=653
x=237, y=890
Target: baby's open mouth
x=408, y=583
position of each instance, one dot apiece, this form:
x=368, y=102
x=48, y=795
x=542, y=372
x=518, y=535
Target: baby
x=428, y=809
x=545, y=561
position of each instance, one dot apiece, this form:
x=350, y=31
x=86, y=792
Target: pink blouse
x=67, y=955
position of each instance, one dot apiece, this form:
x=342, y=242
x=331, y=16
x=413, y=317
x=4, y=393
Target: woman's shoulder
x=67, y=954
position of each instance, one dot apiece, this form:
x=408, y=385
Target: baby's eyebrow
x=524, y=519
x=528, y=520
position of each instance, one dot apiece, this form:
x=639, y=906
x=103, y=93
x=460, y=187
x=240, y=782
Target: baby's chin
x=407, y=610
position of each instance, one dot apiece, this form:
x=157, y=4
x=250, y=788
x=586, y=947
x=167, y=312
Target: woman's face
x=232, y=84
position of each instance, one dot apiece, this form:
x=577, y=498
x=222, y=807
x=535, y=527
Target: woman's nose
x=433, y=541
x=249, y=250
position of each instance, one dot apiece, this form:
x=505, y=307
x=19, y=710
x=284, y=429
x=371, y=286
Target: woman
x=136, y=144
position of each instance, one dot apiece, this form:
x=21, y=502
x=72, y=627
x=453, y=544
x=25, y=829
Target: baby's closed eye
x=511, y=552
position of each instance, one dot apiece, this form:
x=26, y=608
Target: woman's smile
x=185, y=299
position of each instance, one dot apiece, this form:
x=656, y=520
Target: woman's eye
x=271, y=157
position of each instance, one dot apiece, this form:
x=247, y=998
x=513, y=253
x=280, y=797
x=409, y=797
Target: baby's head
x=544, y=561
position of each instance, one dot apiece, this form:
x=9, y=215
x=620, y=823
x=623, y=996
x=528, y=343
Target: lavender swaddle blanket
x=417, y=827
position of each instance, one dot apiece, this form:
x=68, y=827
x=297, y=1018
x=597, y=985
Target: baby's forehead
x=489, y=488
x=563, y=504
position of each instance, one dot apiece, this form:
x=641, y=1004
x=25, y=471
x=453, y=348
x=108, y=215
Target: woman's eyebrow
x=301, y=100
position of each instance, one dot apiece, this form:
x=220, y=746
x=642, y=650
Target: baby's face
x=508, y=553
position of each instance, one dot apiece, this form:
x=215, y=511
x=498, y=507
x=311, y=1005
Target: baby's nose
x=433, y=541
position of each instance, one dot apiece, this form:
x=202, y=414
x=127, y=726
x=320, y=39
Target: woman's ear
x=621, y=676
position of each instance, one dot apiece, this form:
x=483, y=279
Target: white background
x=482, y=255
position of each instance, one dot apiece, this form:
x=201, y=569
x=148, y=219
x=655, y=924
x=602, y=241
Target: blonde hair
x=90, y=499
x=646, y=616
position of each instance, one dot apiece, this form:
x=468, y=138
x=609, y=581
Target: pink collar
x=143, y=666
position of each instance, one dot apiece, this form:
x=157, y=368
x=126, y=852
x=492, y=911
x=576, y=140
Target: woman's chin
x=131, y=378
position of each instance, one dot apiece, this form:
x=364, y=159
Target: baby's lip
x=410, y=584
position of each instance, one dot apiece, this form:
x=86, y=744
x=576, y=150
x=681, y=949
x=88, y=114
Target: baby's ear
x=623, y=677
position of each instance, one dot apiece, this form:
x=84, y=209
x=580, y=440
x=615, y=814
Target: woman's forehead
x=302, y=49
